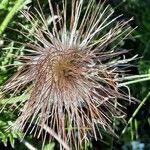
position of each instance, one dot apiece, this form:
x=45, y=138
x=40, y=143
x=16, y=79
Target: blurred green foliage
x=137, y=135
x=6, y=118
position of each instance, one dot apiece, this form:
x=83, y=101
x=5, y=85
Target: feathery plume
x=73, y=69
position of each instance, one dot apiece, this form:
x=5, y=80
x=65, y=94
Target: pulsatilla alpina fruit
x=72, y=67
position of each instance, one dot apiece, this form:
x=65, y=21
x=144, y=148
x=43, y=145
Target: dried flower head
x=73, y=70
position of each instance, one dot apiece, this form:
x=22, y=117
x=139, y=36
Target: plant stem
x=135, y=112
x=134, y=81
x=136, y=76
x=10, y=16
x=28, y=145
x=51, y=132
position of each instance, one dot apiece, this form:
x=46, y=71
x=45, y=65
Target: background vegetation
x=136, y=135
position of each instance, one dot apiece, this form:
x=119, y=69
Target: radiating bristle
x=72, y=71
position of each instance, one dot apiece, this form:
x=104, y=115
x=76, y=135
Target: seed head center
x=66, y=68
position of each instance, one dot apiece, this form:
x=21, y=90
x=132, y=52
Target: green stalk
x=134, y=81
x=10, y=16
x=136, y=77
x=136, y=111
x=28, y=145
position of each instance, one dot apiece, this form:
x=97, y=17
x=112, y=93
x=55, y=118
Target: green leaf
x=16, y=99
x=49, y=146
x=3, y=4
x=11, y=139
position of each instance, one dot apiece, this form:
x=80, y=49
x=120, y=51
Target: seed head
x=72, y=70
